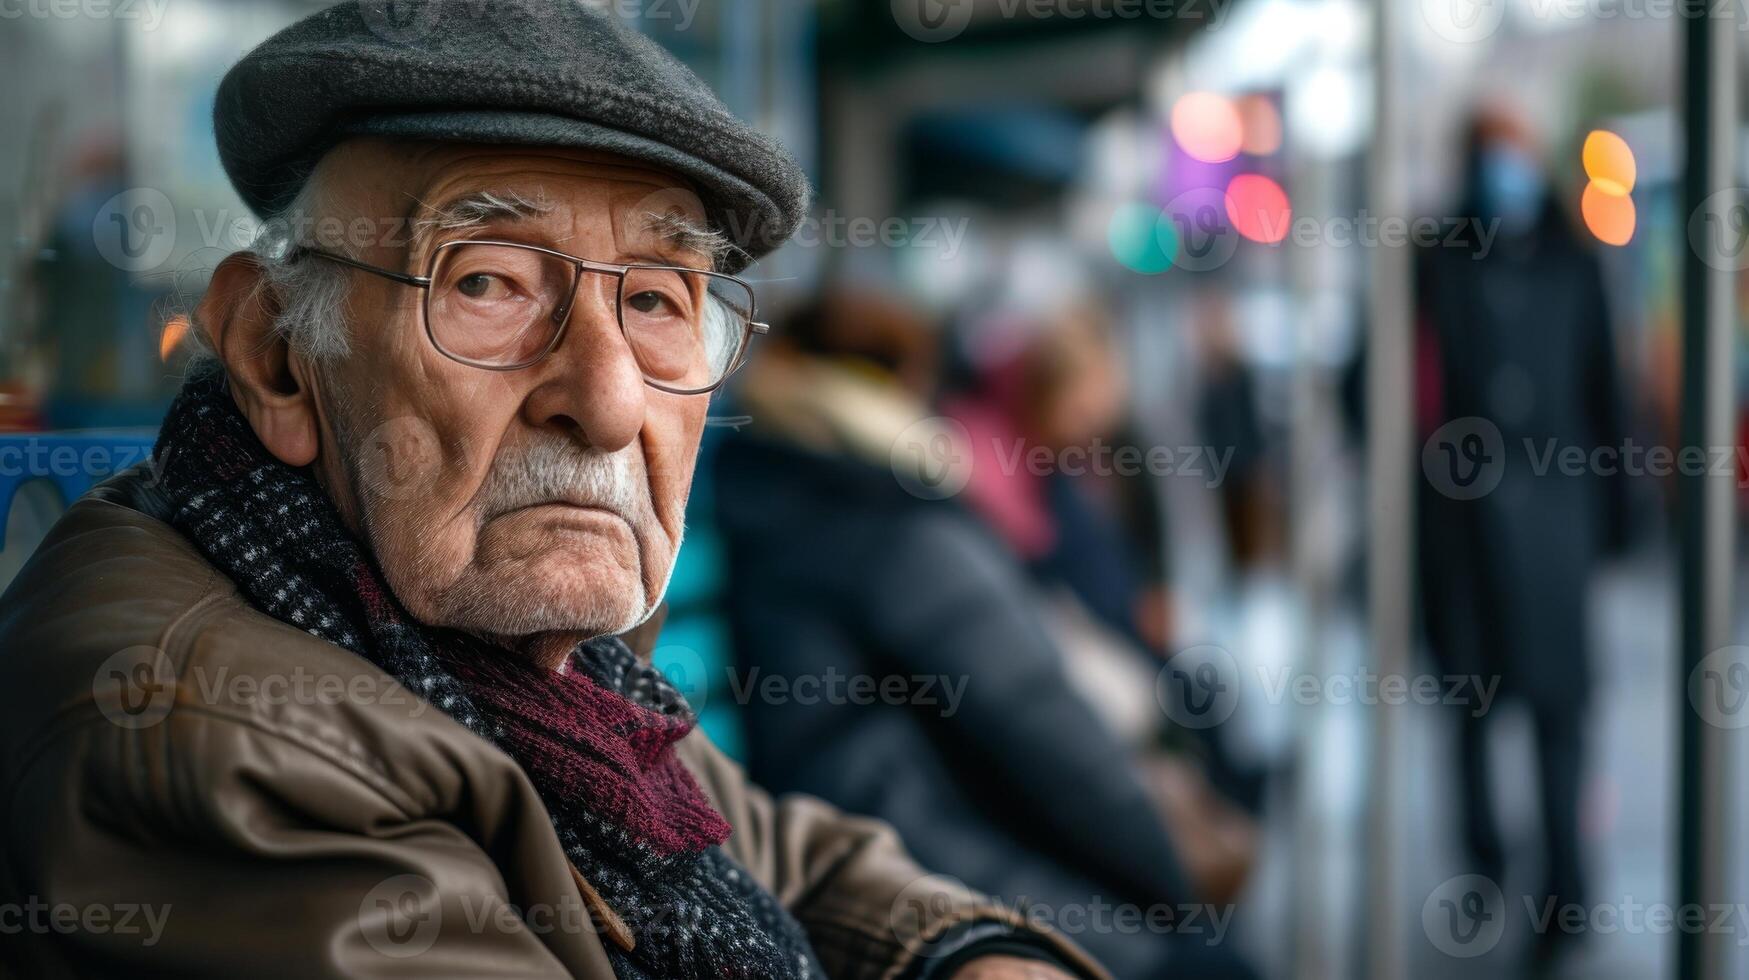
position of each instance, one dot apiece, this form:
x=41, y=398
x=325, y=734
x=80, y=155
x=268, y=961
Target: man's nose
x=591, y=382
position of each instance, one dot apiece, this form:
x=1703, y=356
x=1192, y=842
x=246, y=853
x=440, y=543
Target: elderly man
x=335, y=687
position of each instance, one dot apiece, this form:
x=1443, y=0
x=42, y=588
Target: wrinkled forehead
x=603, y=198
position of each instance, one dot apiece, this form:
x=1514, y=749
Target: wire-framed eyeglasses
x=503, y=306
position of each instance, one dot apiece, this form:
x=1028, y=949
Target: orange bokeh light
x=1207, y=126
x=1609, y=162
x=1258, y=208
x=1262, y=125
x=1609, y=216
x=174, y=331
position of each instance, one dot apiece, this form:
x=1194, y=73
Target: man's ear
x=270, y=382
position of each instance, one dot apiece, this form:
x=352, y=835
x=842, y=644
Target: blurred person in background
x=1228, y=421
x=1015, y=783
x=1516, y=338
x=1056, y=383
x=1089, y=532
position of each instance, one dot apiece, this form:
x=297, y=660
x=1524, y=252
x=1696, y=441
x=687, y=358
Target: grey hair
x=312, y=295
x=311, y=310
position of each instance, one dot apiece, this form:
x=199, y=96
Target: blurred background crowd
x=1038, y=525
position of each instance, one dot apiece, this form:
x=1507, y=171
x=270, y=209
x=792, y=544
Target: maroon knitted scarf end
x=578, y=739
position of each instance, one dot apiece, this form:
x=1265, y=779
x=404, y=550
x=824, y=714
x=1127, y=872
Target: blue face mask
x=1512, y=186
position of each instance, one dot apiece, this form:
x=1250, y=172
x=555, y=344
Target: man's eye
x=480, y=285
x=651, y=303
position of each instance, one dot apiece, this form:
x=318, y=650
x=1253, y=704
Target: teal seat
x=694, y=648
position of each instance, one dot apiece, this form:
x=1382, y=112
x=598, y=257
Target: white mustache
x=555, y=469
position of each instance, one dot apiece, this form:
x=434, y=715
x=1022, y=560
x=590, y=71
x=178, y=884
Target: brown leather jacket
x=190, y=788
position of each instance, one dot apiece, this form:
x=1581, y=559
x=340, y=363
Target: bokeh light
x=174, y=331
x=1258, y=208
x=1608, y=216
x=1609, y=162
x=1261, y=125
x=1207, y=126
x=1134, y=241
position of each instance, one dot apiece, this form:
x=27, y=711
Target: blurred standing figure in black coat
x=1515, y=359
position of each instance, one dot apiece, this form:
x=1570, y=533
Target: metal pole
x=1318, y=925
x=1390, y=480
x=1705, y=519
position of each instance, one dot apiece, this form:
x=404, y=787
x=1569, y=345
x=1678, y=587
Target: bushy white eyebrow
x=681, y=231
x=483, y=207
x=479, y=208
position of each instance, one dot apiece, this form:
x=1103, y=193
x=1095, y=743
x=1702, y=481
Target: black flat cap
x=521, y=72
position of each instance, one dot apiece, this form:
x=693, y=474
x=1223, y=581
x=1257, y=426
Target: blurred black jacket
x=1018, y=788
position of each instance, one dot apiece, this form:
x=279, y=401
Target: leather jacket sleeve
x=294, y=860
x=870, y=912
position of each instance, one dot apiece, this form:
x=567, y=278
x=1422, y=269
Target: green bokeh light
x=1136, y=241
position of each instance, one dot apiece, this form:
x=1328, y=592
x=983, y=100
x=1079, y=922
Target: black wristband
x=968, y=941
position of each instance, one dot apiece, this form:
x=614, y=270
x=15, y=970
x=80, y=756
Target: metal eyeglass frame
x=579, y=266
